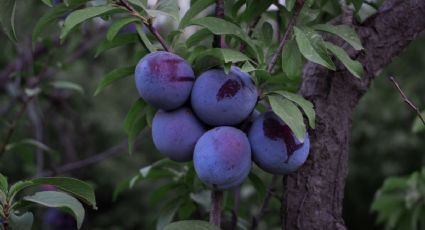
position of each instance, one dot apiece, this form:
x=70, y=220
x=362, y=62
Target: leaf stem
x=297, y=9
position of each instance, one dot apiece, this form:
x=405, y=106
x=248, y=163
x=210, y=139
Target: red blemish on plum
x=228, y=89
x=274, y=130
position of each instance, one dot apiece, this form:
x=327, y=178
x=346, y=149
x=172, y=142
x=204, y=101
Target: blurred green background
x=79, y=125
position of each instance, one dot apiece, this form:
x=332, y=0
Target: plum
x=275, y=148
x=164, y=80
x=175, y=133
x=221, y=99
x=222, y=157
x=55, y=219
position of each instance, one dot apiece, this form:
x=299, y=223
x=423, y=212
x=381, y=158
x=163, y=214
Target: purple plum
x=275, y=148
x=164, y=80
x=223, y=99
x=175, y=133
x=222, y=157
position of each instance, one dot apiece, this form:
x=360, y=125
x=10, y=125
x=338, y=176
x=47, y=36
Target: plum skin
x=164, y=80
x=275, y=148
x=221, y=99
x=222, y=157
x=175, y=133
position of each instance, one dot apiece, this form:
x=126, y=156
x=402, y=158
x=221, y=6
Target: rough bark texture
x=314, y=194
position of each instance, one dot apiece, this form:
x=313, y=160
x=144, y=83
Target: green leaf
x=167, y=215
x=197, y=37
x=353, y=66
x=289, y=4
x=203, y=198
x=220, y=26
x=78, y=188
x=145, y=39
x=225, y=55
x=113, y=76
x=79, y=16
x=134, y=122
x=117, y=25
x=48, y=2
x=191, y=224
x=122, y=186
x=290, y=114
x=305, y=105
x=4, y=186
x=140, y=3
x=292, y=62
x=258, y=184
x=418, y=125
x=33, y=142
x=166, y=7
x=119, y=40
x=22, y=222
x=254, y=9
x=7, y=18
x=311, y=47
x=195, y=9
x=61, y=200
x=343, y=31
x=67, y=85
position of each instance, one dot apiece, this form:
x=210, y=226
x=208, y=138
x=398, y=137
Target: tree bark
x=313, y=195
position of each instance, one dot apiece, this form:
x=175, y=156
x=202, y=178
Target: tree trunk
x=313, y=195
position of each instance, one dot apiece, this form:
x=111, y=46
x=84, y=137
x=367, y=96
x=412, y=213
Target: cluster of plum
x=200, y=120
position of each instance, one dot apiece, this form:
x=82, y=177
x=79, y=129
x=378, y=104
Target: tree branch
x=407, y=101
x=297, y=9
x=215, y=212
x=148, y=22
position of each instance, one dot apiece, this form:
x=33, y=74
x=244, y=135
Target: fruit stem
x=215, y=212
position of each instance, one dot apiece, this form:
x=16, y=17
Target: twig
x=237, y=194
x=13, y=125
x=297, y=9
x=148, y=22
x=218, y=40
x=408, y=102
x=256, y=219
x=112, y=152
x=215, y=212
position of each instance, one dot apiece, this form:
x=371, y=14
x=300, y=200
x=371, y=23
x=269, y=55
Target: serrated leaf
x=343, y=31
x=418, y=125
x=119, y=40
x=145, y=39
x=21, y=222
x=292, y=62
x=305, y=105
x=113, y=76
x=118, y=25
x=61, y=200
x=290, y=114
x=220, y=26
x=311, y=47
x=353, y=66
x=197, y=37
x=7, y=18
x=194, y=9
x=166, y=7
x=67, y=85
x=79, y=16
x=191, y=224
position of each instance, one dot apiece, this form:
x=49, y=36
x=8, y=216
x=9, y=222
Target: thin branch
x=256, y=219
x=95, y=159
x=297, y=9
x=12, y=126
x=237, y=195
x=408, y=102
x=148, y=22
x=219, y=13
